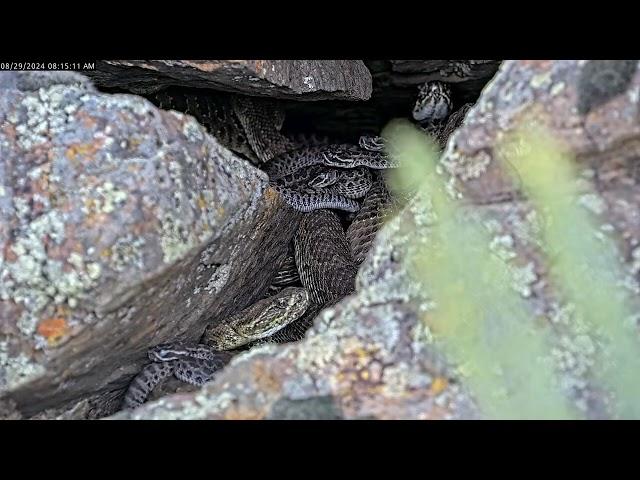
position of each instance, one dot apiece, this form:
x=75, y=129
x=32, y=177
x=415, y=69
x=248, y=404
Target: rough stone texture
x=121, y=226
x=412, y=72
x=370, y=353
x=295, y=79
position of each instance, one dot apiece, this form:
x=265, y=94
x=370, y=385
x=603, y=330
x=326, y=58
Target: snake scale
x=312, y=176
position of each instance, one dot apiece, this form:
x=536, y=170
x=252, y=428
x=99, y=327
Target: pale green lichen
x=593, y=202
x=465, y=168
x=34, y=280
x=127, y=252
x=192, y=130
x=111, y=197
x=218, y=279
x=104, y=198
x=523, y=278
x=557, y=89
x=396, y=379
x=502, y=245
x=16, y=370
x=174, y=239
x=541, y=79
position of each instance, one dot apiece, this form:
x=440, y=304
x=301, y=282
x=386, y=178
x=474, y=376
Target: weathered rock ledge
x=121, y=226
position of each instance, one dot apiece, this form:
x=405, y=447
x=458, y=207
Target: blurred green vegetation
x=481, y=321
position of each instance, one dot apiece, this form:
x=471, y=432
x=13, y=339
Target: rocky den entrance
x=125, y=226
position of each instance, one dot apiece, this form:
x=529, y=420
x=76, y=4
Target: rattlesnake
x=432, y=111
x=311, y=179
x=327, y=272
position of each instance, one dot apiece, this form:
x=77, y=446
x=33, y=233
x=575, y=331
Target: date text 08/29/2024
x=15, y=66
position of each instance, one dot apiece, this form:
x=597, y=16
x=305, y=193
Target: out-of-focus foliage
x=585, y=264
x=480, y=320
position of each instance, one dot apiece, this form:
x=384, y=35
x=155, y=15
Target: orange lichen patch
x=270, y=194
x=83, y=150
x=95, y=219
x=9, y=254
x=220, y=210
x=207, y=66
x=358, y=355
x=134, y=142
x=9, y=130
x=53, y=329
x=202, y=204
x=539, y=64
x=347, y=376
x=41, y=185
x=438, y=385
x=265, y=379
x=87, y=120
x=360, y=373
x=243, y=413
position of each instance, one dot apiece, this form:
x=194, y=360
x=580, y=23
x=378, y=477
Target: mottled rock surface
x=370, y=354
x=121, y=226
x=296, y=79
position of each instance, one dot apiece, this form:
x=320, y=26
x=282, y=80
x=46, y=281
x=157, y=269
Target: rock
x=370, y=353
x=316, y=408
x=121, y=226
x=295, y=79
x=411, y=72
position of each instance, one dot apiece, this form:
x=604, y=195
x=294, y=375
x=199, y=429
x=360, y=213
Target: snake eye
x=281, y=302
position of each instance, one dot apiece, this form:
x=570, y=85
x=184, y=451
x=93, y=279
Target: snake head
x=372, y=143
x=283, y=308
x=344, y=157
x=166, y=352
x=433, y=103
x=324, y=179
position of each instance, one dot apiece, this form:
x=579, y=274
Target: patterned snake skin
x=248, y=126
x=260, y=320
x=194, y=365
x=311, y=179
x=318, y=186
x=376, y=209
x=198, y=364
x=251, y=127
x=326, y=267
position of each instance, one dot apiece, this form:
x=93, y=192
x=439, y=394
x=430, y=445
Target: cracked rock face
x=293, y=79
x=121, y=226
x=370, y=356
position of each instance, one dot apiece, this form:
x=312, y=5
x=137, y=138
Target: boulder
x=121, y=226
x=292, y=79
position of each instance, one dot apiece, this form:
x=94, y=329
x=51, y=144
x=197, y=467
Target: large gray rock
x=295, y=79
x=121, y=226
x=370, y=356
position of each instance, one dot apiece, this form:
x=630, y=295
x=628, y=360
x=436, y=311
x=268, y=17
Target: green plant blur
x=481, y=321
